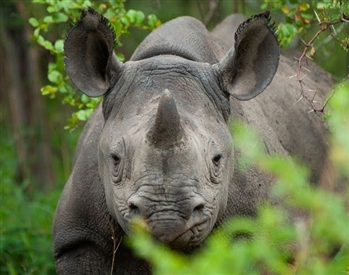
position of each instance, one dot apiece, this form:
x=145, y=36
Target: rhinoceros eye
x=117, y=168
x=115, y=159
x=215, y=164
x=217, y=159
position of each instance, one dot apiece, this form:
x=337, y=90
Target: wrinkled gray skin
x=160, y=146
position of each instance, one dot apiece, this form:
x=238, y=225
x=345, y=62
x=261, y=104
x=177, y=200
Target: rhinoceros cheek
x=117, y=208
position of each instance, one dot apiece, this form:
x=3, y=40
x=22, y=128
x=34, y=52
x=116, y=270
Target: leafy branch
x=300, y=17
x=324, y=26
x=62, y=12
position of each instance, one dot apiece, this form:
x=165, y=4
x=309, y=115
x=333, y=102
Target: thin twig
x=115, y=248
x=211, y=14
x=202, y=15
x=115, y=245
x=325, y=26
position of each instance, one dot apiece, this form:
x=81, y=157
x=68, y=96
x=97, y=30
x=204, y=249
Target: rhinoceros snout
x=168, y=220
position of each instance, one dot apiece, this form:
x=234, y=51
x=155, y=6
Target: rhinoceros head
x=165, y=152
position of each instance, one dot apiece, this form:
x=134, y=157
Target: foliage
x=60, y=12
x=323, y=229
x=301, y=15
x=339, y=125
x=25, y=223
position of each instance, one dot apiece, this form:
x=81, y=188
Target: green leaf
x=48, y=19
x=135, y=17
x=303, y=7
x=45, y=43
x=36, y=33
x=117, y=26
x=48, y=90
x=131, y=16
x=286, y=33
x=86, y=4
x=33, y=21
x=321, y=5
x=139, y=18
x=109, y=14
x=307, y=15
x=285, y=9
x=51, y=9
x=55, y=76
x=125, y=21
x=120, y=56
x=153, y=21
x=85, y=99
x=84, y=115
x=59, y=45
x=93, y=103
x=59, y=17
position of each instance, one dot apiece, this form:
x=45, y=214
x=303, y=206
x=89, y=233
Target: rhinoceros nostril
x=199, y=208
x=134, y=210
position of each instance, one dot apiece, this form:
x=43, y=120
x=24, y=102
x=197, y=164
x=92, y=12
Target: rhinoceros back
x=184, y=36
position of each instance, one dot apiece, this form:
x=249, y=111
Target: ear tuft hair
x=264, y=15
x=101, y=20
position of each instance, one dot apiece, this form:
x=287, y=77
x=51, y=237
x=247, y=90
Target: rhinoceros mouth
x=191, y=237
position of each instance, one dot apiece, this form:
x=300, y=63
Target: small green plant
x=62, y=12
x=25, y=222
x=323, y=231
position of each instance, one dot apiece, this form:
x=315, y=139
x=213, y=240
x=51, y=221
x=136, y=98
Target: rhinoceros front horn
x=167, y=129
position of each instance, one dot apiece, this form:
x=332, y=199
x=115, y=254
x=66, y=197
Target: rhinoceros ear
x=249, y=67
x=89, y=58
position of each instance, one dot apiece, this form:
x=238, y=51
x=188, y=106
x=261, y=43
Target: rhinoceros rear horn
x=89, y=58
x=249, y=67
x=167, y=128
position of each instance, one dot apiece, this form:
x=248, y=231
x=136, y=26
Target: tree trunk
x=21, y=82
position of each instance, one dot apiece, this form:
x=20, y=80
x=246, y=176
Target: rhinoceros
x=160, y=147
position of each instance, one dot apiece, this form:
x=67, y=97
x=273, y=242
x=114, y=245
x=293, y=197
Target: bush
x=325, y=229
x=26, y=222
